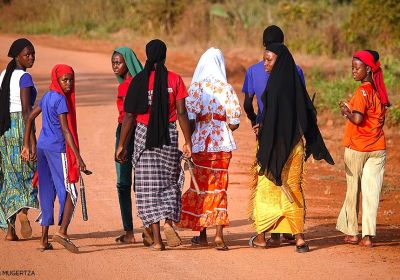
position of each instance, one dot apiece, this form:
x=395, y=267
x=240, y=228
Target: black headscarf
x=288, y=115
x=137, y=97
x=272, y=34
x=16, y=48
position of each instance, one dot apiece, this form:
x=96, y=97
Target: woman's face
x=269, y=60
x=66, y=82
x=118, y=64
x=359, y=69
x=26, y=57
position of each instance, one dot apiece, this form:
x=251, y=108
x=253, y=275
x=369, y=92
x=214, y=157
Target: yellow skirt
x=270, y=209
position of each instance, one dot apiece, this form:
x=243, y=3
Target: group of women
x=150, y=101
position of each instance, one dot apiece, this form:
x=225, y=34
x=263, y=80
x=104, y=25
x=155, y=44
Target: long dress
x=270, y=209
x=213, y=104
x=16, y=190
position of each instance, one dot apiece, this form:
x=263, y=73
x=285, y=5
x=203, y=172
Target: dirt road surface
x=101, y=258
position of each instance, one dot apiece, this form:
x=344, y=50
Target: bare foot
x=366, y=242
x=11, y=235
x=351, y=239
x=126, y=238
x=11, y=238
x=220, y=244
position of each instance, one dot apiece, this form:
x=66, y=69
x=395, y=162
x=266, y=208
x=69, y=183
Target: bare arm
x=185, y=126
x=354, y=117
x=70, y=140
x=27, y=135
x=248, y=108
x=25, y=95
x=126, y=133
x=233, y=127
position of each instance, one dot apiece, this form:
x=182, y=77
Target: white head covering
x=211, y=64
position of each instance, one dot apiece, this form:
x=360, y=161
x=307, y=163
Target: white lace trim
x=200, y=148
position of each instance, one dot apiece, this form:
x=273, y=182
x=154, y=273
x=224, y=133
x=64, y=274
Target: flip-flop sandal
x=196, y=242
x=121, y=239
x=302, y=248
x=173, y=239
x=26, y=229
x=147, y=236
x=253, y=245
x=48, y=247
x=221, y=247
x=66, y=242
x=157, y=249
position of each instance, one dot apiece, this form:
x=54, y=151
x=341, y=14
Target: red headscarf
x=377, y=75
x=57, y=71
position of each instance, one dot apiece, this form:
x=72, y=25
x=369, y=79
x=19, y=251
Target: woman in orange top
x=365, y=149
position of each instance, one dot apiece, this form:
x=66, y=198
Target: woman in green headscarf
x=125, y=65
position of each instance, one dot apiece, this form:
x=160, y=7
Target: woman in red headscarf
x=365, y=148
x=58, y=158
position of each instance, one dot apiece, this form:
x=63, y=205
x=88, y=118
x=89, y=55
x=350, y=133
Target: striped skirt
x=16, y=191
x=159, y=178
x=209, y=207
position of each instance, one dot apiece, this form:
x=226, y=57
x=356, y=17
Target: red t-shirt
x=368, y=136
x=177, y=91
x=122, y=90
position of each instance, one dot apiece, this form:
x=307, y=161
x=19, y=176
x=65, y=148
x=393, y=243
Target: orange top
x=367, y=136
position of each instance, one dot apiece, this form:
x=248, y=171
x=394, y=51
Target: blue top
x=51, y=137
x=255, y=82
x=26, y=81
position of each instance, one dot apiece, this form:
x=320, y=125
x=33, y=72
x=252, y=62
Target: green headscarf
x=131, y=61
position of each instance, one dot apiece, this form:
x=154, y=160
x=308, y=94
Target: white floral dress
x=213, y=104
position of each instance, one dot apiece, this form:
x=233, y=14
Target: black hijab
x=16, y=48
x=137, y=97
x=288, y=115
x=272, y=34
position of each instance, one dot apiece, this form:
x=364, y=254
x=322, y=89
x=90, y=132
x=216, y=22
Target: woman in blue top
x=17, y=96
x=57, y=153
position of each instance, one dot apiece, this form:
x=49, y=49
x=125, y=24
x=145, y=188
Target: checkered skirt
x=159, y=178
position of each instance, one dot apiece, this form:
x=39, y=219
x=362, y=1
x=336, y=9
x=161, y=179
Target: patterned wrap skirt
x=16, y=191
x=209, y=207
x=270, y=209
x=159, y=178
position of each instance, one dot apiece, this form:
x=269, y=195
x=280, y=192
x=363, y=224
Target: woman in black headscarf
x=289, y=118
x=17, y=96
x=156, y=97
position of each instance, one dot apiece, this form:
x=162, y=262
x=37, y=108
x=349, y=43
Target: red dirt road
x=102, y=258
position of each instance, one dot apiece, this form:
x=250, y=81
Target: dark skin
x=24, y=60
x=361, y=72
x=219, y=233
x=119, y=68
x=66, y=82
x=121, y=154
x=269, y=62
x=248, y=106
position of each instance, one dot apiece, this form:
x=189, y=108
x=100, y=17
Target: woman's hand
x=33, y=152
x=121, y=154
x=344, y=108
x=187, y=150
x=233, y=127
x=25, y=153
x=81, y=164
x=256, y=128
